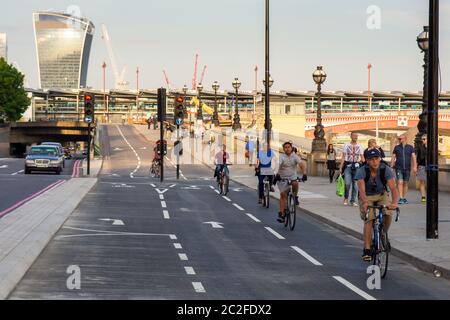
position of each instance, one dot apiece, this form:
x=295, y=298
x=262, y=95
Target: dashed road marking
x=15, y=173
x=276, y=234
x=163, y=204
x=161, y=197
x=166, y=214
x=217, y=191
x=226, y=198
x=307, y=256
x=238, y=206
x=177, y=246
x=212, y=187
x=173, y=237
x=354, y=288
x=183, y=257
x=198, y=287
x=131, y=147
x=153, y=185
x=189, y=270
x=253, y=217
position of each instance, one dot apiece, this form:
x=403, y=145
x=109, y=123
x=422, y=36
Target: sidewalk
x=407, y=236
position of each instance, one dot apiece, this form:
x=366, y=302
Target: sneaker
x=400, y=201
x=424, y=200
x=345, y=202
x=280, y=218
x=296, y=201
x=367, y=255
x=405, y=201
x=355, y=204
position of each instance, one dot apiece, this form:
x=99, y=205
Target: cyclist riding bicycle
x=264, y=169
x=373, y=180
x=289, y=162
x=221, y=161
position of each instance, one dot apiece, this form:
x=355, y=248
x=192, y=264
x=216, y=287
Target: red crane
x=194, y=78
x=167, y=78
x=203, y=74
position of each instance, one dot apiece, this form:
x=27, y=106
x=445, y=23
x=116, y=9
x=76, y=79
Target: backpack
x=382, y=174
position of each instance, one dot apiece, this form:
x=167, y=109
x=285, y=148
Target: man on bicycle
x=220, y=161
x=373, y=180
x=264, y=169
x=289, y=162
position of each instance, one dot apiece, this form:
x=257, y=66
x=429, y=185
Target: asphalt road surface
x=134, y=238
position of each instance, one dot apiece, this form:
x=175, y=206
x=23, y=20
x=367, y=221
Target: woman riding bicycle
x=264, y=169
x=289, y=162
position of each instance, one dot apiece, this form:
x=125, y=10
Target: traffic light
x=178, y=111
x=89, y=109
x=162, y=102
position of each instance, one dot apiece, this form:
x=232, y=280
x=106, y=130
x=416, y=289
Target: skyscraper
x=3, y=46
x=63, y=45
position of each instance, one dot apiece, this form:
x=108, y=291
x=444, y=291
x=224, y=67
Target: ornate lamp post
x=267, y=112
x=236, y=119
x=319, y=143
x=422, y=42
x=200, y=111
x=215, y=119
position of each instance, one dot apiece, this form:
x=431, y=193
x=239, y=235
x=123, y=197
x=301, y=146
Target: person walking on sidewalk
x=331, y=161
x=421, y=155
x=403, y=160
x=352, y=158
x=374, y=178
x=372, y=144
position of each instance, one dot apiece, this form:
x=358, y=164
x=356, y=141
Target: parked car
x=44, y=158
x=60, y=148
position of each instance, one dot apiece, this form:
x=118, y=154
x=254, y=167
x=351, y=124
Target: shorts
x=378, y=199
x=403, y=175
x=421, y=174
x=283, y=185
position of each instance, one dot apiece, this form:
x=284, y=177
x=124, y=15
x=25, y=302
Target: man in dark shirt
x=403, y=161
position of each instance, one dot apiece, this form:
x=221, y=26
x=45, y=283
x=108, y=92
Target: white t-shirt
x=288, y=166
x=353, y=152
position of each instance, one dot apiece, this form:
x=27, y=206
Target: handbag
x=340, y=186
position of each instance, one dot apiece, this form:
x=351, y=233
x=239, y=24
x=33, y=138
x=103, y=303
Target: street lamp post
x=319, y=143
x=267, y=123
x=423, y=43
x=267, y=113
x=236, y=118
x=200, y=111
x=215, y=119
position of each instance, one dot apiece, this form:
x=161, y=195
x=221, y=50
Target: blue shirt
x=403, y=156
x=374, y=186
x=265, y=158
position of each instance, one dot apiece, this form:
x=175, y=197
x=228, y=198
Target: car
x=44, y=158
x=60, y=148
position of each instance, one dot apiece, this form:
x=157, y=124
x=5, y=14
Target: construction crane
x=167, y=79
x=194, y=78
x=120, y=82
x=203, y=74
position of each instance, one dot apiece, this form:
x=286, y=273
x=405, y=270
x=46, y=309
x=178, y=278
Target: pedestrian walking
x=403, y=161
x=331, y=161
x=352, y=159
x=421, y=176
x=372, y=144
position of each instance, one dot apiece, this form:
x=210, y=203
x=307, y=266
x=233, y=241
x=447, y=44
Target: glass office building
x=63, y=45
x=3, y=46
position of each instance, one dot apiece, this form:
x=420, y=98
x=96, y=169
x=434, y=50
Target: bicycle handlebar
x=397, y=210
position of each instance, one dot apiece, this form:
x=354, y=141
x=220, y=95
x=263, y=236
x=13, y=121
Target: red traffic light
x=179, y=99
x=88, y=97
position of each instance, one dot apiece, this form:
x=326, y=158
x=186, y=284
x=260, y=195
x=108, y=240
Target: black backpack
x=383, y=168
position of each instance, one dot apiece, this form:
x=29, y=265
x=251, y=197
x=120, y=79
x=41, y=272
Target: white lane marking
x=307, y=256
x=276, y=234
x=153, y=185
x=163, y=204
x=182, y=175
x=253, y=217
x=189, y=270
x=177, y=246
x=161, y=191
x=13, y=174
x=183, y=257
x=131, y=147
x=172, y=186
x=215, y=225
x=212, y=187
x=161, y=197
x=173, y=237
x=238, y=206
x=226, y=198
x=166, y=214
x=115, y=222
x=354, y=288
x=198, y=287
x=217, y=191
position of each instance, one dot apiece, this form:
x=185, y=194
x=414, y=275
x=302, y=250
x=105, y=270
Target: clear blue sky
x=229, y=37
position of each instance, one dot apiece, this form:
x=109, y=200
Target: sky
x=228, y=35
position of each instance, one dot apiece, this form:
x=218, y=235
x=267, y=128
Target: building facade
x=63, y=45
x=3, y=46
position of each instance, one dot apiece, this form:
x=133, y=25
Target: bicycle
x=224, y=180
x=290, y=211
x=266, y=192
x=155, y=168
x=380, y=247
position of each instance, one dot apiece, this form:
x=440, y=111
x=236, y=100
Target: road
x=135, y=238
x=16, y=186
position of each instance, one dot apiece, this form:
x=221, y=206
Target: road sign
x=402, y=121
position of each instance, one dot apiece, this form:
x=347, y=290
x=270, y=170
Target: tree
x=13, y=97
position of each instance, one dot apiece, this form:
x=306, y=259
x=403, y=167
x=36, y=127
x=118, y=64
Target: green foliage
x=13, y=98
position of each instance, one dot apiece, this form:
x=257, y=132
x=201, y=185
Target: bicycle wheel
x=292, y=212
x=221, y=184
x=383, y=256
x=266, y=195
x=226, y=183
